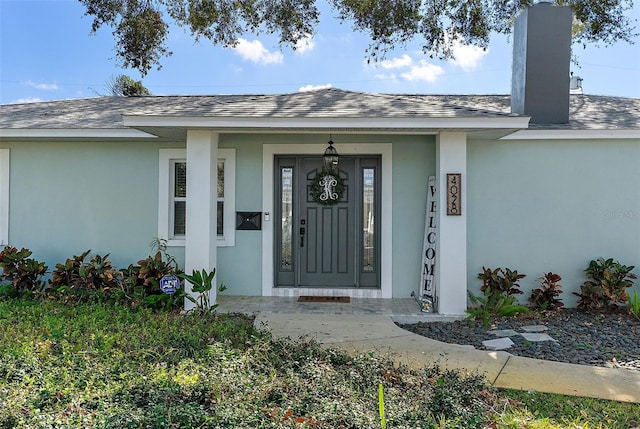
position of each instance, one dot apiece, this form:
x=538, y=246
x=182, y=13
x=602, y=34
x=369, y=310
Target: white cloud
x=26, y=100
x=468, y=57
x=423, y=71
x=398, y=62
x=308, y=88
x=42, y=86
x=304, y=45
x=255, y=52
x=384, y=76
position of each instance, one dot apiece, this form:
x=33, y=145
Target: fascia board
x=74, y=133
x=387, y=123
x=572, y=135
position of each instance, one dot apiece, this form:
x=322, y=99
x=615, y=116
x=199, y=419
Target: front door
x=327, y=246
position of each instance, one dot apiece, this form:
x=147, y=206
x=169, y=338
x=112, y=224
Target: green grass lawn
x=105, y=366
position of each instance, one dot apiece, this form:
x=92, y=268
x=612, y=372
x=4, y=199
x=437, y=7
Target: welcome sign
x=427, y=291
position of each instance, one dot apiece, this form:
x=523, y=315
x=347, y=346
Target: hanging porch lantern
x=327, y=188
x=330, y=157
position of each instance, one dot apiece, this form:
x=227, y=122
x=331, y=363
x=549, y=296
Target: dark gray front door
x=327, y=250
x=327, y=245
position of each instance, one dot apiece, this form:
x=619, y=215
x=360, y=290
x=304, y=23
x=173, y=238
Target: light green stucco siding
x=414, y=160
x=534, y=206
x=541, y=206
x=240, y=267
x=66, y=198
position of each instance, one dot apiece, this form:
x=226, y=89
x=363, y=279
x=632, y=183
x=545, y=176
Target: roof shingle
x=587, y=112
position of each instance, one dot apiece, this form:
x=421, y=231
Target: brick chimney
x=541, y=58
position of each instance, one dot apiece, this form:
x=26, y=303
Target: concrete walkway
x=358, y=331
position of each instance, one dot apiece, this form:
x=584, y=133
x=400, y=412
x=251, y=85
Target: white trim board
x=4, y=196
x=572, y=135
x=74, y=133
x=165, y=156
x=323, y=123
x=269, y=151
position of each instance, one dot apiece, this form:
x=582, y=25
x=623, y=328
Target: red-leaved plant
x=546, y=297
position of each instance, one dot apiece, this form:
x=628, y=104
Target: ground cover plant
x=110, y=366
x=100, y=365
x=532, y=410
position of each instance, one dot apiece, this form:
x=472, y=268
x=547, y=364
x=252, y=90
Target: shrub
x=142, y=281
x=493, y=305
x=81, y=280
x=501, y=282
x=22, y=272
x=148, y=273
x=546, y=296
x=607, y=284
x=498, y=288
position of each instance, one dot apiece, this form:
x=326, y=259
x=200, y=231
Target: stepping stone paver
x=498, y=344
x=503, y=333
x=536, y=337
x=534, y=328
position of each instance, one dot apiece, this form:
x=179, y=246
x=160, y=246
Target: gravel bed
x=600, y=339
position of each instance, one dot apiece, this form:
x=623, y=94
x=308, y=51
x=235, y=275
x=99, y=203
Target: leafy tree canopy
x=140, y=27
x=124, y=86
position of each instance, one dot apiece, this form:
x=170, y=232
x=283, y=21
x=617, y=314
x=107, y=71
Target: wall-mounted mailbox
x=248, y=221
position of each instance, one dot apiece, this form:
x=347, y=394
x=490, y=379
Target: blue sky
x=48, y=53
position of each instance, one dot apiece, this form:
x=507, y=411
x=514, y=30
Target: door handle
x=302, y=232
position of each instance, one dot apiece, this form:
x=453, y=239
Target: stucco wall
x=240, y=267
x=534, y=206
x=414, y=160
x=66, y=198
x=540, y=206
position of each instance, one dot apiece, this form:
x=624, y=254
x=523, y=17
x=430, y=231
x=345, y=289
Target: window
x=286, y=245
x=178, y=208
x=4, y=196
x=173, y=194
x=368, y=219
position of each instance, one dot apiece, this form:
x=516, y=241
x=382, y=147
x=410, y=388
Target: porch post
x=451, y=259
x=201, y=230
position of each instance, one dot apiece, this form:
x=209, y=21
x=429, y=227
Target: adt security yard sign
x=169, y=284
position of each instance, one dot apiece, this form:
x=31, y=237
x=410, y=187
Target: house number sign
x=454, y=194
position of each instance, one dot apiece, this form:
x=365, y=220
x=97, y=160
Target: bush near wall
x=85, y=278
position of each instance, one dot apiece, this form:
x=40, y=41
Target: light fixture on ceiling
x=330, y=157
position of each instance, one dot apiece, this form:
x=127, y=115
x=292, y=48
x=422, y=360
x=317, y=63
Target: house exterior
x=227, y=180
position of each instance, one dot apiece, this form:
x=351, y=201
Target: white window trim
x=4, y=196
x=166, y=156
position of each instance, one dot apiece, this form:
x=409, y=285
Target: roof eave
x=388, y=125
x=73, y=133
x=536, y=134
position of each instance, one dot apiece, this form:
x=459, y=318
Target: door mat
x=304, y=298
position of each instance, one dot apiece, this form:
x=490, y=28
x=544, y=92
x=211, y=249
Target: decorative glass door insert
x=333, y=245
